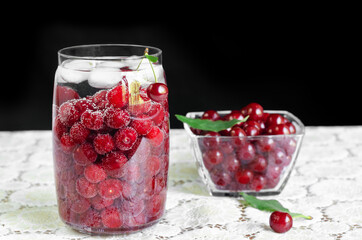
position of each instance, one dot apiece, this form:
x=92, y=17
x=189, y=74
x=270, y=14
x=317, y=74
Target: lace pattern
x=326, y=183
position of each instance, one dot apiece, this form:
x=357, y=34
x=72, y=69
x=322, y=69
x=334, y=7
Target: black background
x=303, y=63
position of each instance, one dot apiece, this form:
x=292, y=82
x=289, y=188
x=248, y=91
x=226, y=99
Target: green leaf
x=269, y=205
x=151, y=58
x=208, y=125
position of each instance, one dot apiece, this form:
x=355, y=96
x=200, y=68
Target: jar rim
x=65, y=52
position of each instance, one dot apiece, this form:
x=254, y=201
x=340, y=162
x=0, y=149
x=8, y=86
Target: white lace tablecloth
x=326, y=183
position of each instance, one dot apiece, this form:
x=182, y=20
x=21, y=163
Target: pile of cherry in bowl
x=250, y=155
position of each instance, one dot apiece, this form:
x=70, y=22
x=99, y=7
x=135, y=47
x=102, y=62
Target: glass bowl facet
x=258, y=165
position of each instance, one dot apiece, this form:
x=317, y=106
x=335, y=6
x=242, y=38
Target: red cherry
x=244, y=176
x=157, y=92
x=246, y=153
x=291, y=127
x=211, y=115
x=234, y=115
x=259, y=164
x=220, y=178
x=254, y=110
x=237, y=132
x=213, y=157
x=211, y=140
x=274, y=119
x=258, y=183
x=252, y=128
x=278, y=129
x=280, y=222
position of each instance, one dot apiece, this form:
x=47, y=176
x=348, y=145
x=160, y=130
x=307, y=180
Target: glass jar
x=110, y=137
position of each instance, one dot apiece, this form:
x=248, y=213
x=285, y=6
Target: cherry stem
x=145, y=54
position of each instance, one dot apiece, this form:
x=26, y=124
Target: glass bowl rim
x=291, y=116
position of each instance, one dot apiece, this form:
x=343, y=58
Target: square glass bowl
x=258, y=165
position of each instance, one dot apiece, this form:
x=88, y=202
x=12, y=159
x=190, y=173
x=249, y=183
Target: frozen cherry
x=80, y=204
x=142, y=124
x=158, y=92
x=84, y=104
x=118, y=96
x=113, y=163
x=155, y=136
x=59, y=128
x=210, y=115
x=153, y=165
x=92, y=119
x=85, y=154
x=94, y=173
x=156, y=113
x=280, y=222
x=111, y=217
x=99, y=203
x=86, y=188
x=67, y=144
x=116, y=118
x=91, y=218
x=110, y=188
x=103, y=143
x=64, y=94
x=79, y=133
x=125, y=138
x=68, y=114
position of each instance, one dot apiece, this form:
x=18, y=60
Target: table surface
x=326, y=183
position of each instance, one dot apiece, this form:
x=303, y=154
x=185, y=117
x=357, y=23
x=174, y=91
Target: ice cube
x=76, y=71
x=112, y=64
x=147, y=73
x=105, y=77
